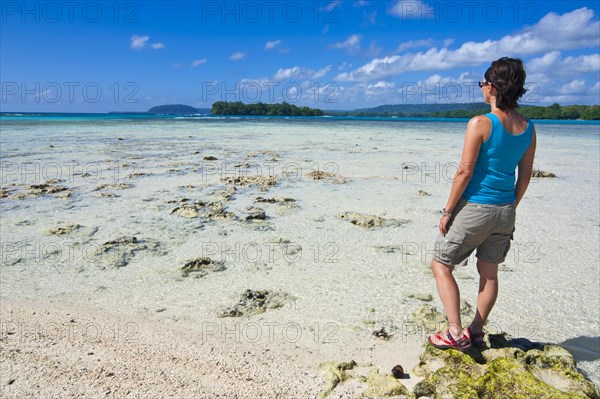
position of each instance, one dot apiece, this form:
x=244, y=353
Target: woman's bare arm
x=524, y=170
x=477, y=128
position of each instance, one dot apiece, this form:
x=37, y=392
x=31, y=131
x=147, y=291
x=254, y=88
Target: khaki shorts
x=487, y=228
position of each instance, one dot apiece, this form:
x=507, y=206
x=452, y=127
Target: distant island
x=169, y=109
x=283, y=109
x=177, y=109
x=469, y=110
x=173, y=109
x=458, y=110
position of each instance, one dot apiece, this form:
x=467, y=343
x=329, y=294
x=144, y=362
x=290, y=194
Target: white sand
x=71, y=351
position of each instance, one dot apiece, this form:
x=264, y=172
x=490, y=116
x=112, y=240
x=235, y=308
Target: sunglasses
x=481, y=84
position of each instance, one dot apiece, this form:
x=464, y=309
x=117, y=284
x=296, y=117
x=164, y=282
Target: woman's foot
x=445, y=340
x=476, y=338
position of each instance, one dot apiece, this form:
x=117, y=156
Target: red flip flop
x=446, y=341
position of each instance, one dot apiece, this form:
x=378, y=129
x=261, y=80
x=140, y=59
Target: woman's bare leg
x=488, y=292
x=449, y=294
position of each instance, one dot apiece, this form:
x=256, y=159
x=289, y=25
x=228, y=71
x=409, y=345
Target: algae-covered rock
x=555, y=366
x=333, y=374
x=212, y=211
x=254, y=302
x=432, y=360
x=4, y=192
x=326, y=177
x=48, y=188
x=114, y=186
x=275, y=200
x=122, y=250
x=201, y=267
x=364, y=220
x=420, y=297
x=245, y=181
x=509, y=378
x=382, y=334
x=541, y=173
x=384, y=385
x=504, y=371
x=186, y=211
x=254, y=213
x=64, y=229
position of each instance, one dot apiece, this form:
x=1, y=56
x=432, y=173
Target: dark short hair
x=507, y=76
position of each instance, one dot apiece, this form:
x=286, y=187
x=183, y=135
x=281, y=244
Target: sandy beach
x=232, y=258
x=51, y=350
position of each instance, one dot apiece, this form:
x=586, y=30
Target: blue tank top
x=493, y=179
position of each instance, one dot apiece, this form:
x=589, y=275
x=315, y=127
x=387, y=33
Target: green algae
x=384, y=385
x=333, y=374
x=508, y=372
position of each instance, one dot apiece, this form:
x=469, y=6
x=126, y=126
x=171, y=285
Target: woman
x=480, y=212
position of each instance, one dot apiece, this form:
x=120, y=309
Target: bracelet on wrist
x=446, y=213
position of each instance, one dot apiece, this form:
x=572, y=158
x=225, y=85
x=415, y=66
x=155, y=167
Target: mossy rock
x=450, y=382
x=333, y=374
x=383, y=386
x=506, y=372
x=509, y=378
x=557, y=367
x=433, y=359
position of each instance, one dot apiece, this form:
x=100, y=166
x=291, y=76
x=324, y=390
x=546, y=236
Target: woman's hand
x=444, y=224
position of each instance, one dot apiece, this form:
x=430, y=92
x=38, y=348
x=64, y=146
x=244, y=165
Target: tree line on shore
x=554, y=111
x=283, y=109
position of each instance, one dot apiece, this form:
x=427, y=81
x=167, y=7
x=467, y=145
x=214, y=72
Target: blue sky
x=96, y=56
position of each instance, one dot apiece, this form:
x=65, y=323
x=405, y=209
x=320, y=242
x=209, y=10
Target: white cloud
x=344, y=65
x=556, y=79
x=414, y=43
x=289, y=73
x=574, y=87
x=138, y=42
x=584, y=63
x=272, y=44
x=332, y=5
x=322, y=72
x=360, y=3
x=550, y=67
x=437, y=79
x=572, y=30
x=409, y=9
x=447, y=42
x=379, y=88
x=352, y=43
x=301, y=73
x=237, y=56
x=195, y=63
